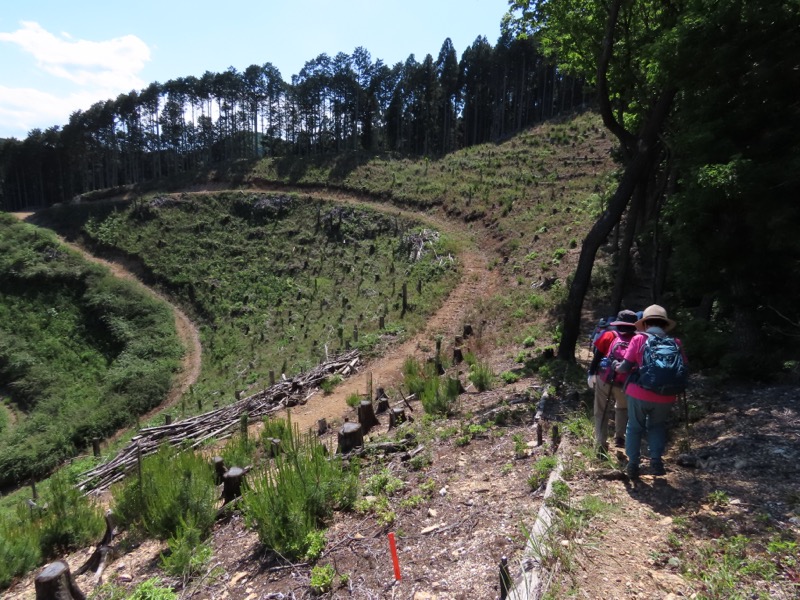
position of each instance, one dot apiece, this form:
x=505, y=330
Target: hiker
x=607, y=383
x=652, y=386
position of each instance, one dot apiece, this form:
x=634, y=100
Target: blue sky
x=58, y=56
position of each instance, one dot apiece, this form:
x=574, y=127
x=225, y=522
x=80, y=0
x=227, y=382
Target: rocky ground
x=469, y=504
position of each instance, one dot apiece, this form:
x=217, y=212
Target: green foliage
x=353, y=400
x=30, y=535
x=293, y=497
x=188, y=555
x=275, y=278
x=541, y=471
x=329, y=383
x=239, y=451
x=174, y=488
x=322, y=577
x=439, y=395
x=383, y=483
x=152, y=590
x=81, y=353
x=481, y=375
x=509, y=376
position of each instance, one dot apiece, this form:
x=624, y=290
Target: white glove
x=590, y=381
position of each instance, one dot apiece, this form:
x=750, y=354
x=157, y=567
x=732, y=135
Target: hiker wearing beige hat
x=657, y=366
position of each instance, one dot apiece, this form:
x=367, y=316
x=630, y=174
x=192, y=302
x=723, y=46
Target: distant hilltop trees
x=344, y=103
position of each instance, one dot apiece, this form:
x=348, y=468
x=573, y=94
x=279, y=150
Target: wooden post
x=369, y=386
x=55, y=582
x=419, y=286
x=33, y=489
x=458, y=355
x=271, y=377
x=405, y=297
x=438, y=363
x=381, y=322
x=355, y=333
x=539, y=440
x=167, y=419
x=556, y=436
x=243, y=425
x=96, y=446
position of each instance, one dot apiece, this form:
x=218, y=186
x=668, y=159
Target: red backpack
x=616, y=352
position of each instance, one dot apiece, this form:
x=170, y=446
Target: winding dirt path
x=477, y=282
x=187, y=331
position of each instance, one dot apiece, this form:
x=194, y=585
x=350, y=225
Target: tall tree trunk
x=634, y=174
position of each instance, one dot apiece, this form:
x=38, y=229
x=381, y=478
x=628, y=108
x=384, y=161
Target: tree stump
x=103, y=553
x=467, y=330
x=366, y=416
x=55, y=582
x=219, y=469
x=273, y=447
x=232, y=484
x=350, y=436
x=396, y=416
x=458, y=355
x=322, y=426
x=383, y=405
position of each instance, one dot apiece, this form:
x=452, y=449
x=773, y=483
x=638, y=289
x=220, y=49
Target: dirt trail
x=187, y=331
x=477, y=282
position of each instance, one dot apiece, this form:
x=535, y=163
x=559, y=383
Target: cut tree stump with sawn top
x=366, y=416
x=55, y=582
x=232, y=484
x=350, y=436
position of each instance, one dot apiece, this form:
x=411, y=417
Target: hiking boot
x=632, y=471
x=619, y=441
x=657, y=468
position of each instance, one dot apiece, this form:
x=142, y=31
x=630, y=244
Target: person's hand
x=590, y=381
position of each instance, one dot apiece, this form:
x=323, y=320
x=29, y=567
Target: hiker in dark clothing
x=648, y=410
x=608, y=384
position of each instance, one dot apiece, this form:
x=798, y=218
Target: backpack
x=663, y=370
x=601, y=327
x=615, y=352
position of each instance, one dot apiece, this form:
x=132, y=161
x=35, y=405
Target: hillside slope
x=722, y=523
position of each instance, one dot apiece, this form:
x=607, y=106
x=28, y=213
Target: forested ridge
x=344, y=103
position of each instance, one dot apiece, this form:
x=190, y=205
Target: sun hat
x=654, y=311
x=624, y=317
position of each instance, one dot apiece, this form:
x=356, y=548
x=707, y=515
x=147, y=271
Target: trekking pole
x=686, y=417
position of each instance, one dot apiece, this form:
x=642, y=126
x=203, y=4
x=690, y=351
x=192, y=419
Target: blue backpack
x=663, y=370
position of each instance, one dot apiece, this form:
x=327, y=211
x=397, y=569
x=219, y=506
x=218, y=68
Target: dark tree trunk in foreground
x=634, y=173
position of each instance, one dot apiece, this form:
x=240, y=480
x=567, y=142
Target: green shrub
x=322, y=578
x=152, y=590
x=71, y=519
x=439, y=395
x=291, y=500
x=481, y=375
x=541, y=471
x=20, y=551
x=238, y=451
x=383, y=483
x=174, y=487
x=509, y=377
x=188, y=555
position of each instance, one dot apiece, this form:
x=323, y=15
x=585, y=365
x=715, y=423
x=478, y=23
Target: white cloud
x=81, y=61
x=98, y=70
